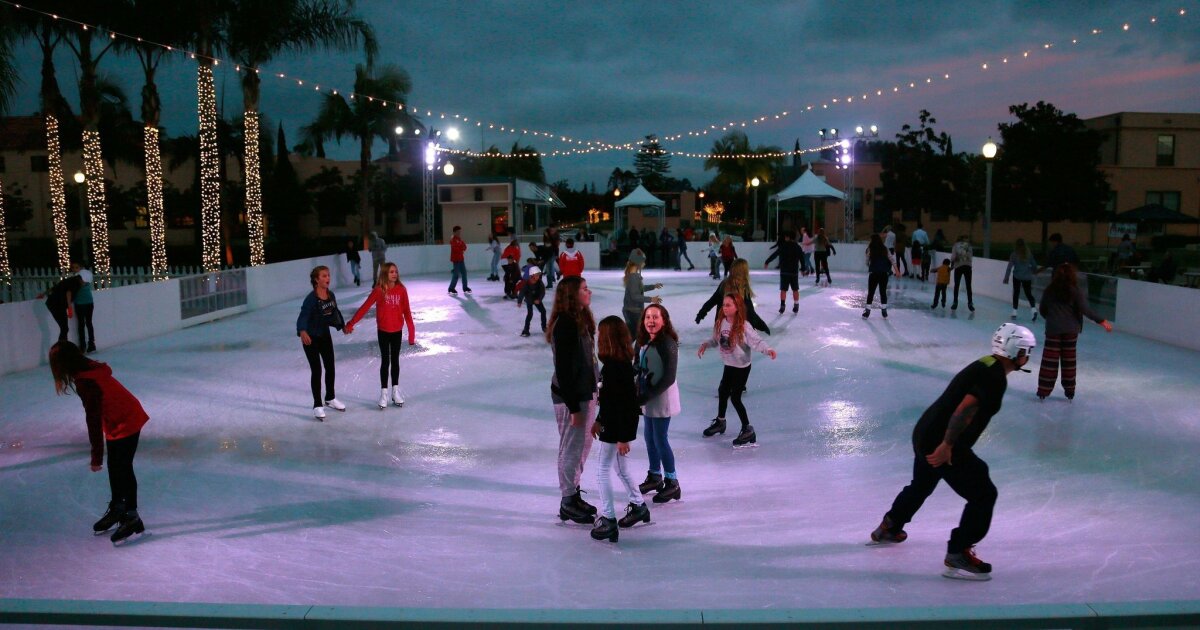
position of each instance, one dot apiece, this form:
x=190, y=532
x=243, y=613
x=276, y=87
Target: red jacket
x=727, y=252
x=457, y=248
x=392, y=312
x=570, y=263
x=112, y=412
x=512, y=252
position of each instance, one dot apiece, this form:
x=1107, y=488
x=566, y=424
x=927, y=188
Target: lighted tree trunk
x=210, y=168
x=253, y=169
x=52, y=103
x=93, y=161
x=5, y=270
x=151, y=109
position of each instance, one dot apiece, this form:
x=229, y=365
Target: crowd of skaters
x=639, y=353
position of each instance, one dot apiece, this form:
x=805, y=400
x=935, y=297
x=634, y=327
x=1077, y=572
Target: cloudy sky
x=616, y=71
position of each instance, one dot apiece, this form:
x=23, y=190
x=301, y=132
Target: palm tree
x=205, y=17
x=8, y=86
x=366, y=119
x=259, y=30
x=734, y=173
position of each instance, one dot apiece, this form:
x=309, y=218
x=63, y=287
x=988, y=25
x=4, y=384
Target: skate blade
x=739, y=447
x=569, y=524
x=883, y=543
x=959, y=574
x=131, y=539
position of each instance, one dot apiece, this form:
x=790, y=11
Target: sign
x=1117, y=230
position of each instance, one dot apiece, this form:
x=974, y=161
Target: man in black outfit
x=942, y=442
x=790, y=254
x=1059, y=253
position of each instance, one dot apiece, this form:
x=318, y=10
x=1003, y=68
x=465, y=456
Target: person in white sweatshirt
x=737, y=341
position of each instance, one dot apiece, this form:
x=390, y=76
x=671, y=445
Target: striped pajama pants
x=1060, y=349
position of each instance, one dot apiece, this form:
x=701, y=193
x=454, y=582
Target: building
x=503, y=205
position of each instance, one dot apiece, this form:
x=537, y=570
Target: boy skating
x=942, y=442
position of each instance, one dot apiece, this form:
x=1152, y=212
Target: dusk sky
x=616, y=71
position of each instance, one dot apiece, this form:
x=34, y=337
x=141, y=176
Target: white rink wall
x=130, y=313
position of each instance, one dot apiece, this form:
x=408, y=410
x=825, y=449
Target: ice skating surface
x=451, y=501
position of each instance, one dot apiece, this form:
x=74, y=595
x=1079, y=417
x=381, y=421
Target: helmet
x=535, y=270
x=1012, y=341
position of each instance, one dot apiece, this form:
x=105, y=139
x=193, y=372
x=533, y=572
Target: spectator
x=1059, y=253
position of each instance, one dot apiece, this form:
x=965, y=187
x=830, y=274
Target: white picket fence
x=27, y=284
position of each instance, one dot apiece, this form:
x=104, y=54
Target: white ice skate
x=397, y=397
x=335, y=404
x=319, y=413
x=383, y=398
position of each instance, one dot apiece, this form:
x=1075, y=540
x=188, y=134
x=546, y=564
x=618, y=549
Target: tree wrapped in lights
x=154, y=204
x=58, y=195
x=210, y=173
x=5, y=270
x=93, y=170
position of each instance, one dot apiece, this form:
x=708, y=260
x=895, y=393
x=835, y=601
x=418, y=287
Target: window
x=142, y=220
x=1168, y=199
x=1165, y=151
x=39, y=163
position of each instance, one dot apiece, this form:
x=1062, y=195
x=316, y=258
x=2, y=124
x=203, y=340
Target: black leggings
x=318, y=352
x=529, y=306
x=58, y=310
x=969, y=478
x=120, y=470
x=959, y=272
x=822, y=264
x=1017, y=286
x=877, y=280
x=389, y=350
x=733, y=381
x=84, y=311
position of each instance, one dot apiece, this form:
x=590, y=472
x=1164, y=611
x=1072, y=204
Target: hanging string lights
x=210, y=183
x=254, y=213
x=154, y=198
x=58, y=196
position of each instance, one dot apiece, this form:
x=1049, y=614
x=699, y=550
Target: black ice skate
x=967, y=566
x=746, y=438
x=654, y=481
x=110, y=518
x=606, y=529
x=568, y=511
x=131, y=525
x=584, y=505
x=670, y=490
x=634, y=514
x=886, y=534
x=717, y=426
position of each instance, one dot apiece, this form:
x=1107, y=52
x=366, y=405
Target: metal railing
x=211, y=292
x=28, y=284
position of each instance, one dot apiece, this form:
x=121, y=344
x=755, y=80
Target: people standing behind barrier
x=1125, y=251
x=355, y=260
x=458, y=250
x=728, y=254
x=1060, y=253
x=494, y=247
x=1022, y=267
x=378, y=248
x=939, y=241
x=550, y=242
x=822, y=250
x=84, y=307
x=1165, y=271
x=1063, y=306
x=392, y=314
x=635, y=294
x=960, y=260
x=318, y=313
x=666, y=245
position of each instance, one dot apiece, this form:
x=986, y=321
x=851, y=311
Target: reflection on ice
x=844, y=430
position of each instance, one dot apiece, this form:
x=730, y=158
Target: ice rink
x=451, y=501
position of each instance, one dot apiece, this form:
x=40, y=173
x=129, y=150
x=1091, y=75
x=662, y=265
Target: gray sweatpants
x=574, y=443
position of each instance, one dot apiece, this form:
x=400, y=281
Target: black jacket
x=789, y=254
x=718, y=296
x=618, y=403
x=574, y=380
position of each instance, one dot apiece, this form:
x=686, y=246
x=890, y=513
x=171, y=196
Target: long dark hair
x=1063, y=284
x=566, y=304
x=612, y=340
x=875, y=248
x=66, y=361
x=668, y=331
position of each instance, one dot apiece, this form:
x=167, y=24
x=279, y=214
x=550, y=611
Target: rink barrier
x=1099, y=616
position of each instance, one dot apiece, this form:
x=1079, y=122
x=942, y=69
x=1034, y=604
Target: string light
x=253, y=180
x=93, y=170
x=5, y=270
x=154, y=201
x=58, y=197
x=706, y=156
x=210, y=183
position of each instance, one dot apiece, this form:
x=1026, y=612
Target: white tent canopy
x=808, y=186
x=639, y=198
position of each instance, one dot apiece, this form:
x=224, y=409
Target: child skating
x=736, y=340
x=615, y=427
x=533, y=293
x=114, y=421
x=941, y=284
x=392, y=313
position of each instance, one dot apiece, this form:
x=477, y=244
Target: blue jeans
x=459, y=271
x=496, y=263
x=662, y=458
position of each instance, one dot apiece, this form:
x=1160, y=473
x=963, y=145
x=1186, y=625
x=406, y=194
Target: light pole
x=860, y=134
x=80, y=179
x=702, y=212
x=616, y=212
x=754, y=222
x=989, y=152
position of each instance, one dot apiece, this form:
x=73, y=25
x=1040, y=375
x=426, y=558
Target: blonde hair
x=738, y=281
x=381, y=281
x=630, y=267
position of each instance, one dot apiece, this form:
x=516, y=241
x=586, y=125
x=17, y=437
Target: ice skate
x=319, y=413
x=383, y=398
x=1014, y=314
x=583, y=505
x=670, y=490
x=452, y=291
x=795, y=307
x=781, y=307
x=1034, y=312
x=967, y=566
x=717, y=426
x=884, y=311
x=746, y=438
x=111, y=516
x=970, y=307
x=635, y=513
x=654, y=481
x=885, y=534
x=524, y=333
x=606, y=529
x=397, y=397
x=131, y=525
x=335, y=404
x=569, y=511
x=866, y=312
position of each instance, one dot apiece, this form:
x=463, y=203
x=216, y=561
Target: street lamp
x=754, y=223
x=989, y=152
x=80, y=179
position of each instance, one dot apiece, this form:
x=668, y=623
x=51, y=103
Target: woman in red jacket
x=114, y=419
x=391, y=314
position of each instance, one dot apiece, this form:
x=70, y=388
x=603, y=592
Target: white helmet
x=1012, y=341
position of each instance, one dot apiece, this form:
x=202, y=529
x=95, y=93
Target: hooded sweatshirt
x=112, y=412
x=392, y=311
x=570, y=262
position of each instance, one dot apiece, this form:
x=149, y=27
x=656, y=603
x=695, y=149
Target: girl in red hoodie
x=114, y=419
x=391, y=314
